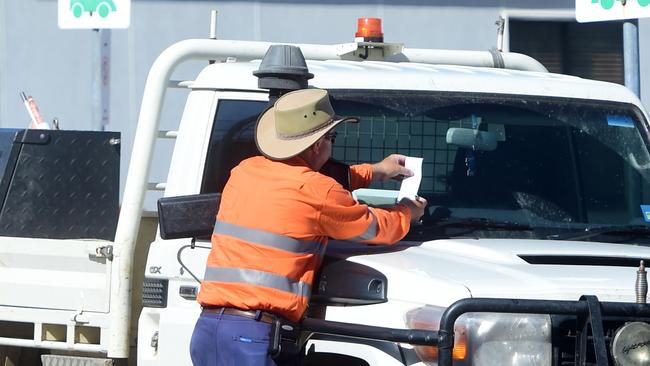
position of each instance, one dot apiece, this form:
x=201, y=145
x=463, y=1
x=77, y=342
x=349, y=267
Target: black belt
x=258, y=315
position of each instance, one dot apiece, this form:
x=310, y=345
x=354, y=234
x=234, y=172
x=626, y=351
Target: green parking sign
x=95, y=14
x=601, y=10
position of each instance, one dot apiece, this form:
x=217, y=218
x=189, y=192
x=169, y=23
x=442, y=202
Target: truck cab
x=536, y=184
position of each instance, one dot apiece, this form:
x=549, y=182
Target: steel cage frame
x=589, y=310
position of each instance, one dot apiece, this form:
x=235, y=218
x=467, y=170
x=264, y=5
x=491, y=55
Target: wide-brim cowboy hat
x=296, y=121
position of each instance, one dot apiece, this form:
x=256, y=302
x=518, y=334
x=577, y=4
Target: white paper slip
x=410, y=185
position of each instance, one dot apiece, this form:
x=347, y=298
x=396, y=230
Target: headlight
x=483, y=339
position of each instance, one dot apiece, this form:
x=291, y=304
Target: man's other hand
x=416, y=206
x=391, y=167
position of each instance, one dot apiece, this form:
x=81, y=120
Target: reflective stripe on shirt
x=259, y=278
x=278, y=241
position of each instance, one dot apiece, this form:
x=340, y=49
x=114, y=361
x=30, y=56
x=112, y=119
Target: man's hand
x=416, y=206
x=391, y=167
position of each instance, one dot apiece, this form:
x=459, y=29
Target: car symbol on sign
x=102, y=7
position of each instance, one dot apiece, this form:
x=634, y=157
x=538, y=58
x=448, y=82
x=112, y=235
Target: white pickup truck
x=539, y=200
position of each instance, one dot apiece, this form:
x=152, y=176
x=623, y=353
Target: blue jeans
x=228, y=340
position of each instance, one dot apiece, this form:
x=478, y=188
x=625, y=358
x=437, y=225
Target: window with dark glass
x=231, y=141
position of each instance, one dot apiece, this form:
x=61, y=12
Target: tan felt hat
x=296, y=121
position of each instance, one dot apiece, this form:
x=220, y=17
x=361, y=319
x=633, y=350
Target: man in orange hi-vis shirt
x=276, y=215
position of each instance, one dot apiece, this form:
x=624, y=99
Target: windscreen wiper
x=482, y=223
x=467, y=225
x=590, y=232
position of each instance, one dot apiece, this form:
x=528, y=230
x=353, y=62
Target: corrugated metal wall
x=590, y=50
x=56, y=66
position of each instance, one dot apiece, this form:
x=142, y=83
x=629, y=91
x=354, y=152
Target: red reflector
x=369, y=29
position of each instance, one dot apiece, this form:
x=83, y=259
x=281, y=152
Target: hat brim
x=273, y=147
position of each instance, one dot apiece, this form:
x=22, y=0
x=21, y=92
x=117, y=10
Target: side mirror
x=472, y=139
x=190, y=216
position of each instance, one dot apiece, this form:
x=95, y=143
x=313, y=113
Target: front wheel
x=607, y=4
x=103, y=9
x=77, y=9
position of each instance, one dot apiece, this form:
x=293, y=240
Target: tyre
x=77, y=10
x=607, y=4
x=103, y=9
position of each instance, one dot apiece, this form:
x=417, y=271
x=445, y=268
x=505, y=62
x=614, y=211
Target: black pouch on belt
x=284, y=342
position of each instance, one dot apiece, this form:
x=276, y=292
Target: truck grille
x=154, y=293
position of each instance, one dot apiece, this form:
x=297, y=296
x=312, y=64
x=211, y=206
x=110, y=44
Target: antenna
x=641, y=284
x=213, y=28
x=213, y=24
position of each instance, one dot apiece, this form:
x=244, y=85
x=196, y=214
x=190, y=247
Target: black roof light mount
x=283, y=69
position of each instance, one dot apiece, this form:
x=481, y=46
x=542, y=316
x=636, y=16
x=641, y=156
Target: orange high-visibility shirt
x=272, y=227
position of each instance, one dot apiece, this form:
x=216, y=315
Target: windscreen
x=528, y=166
x=546, y=163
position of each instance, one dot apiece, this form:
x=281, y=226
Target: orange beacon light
x=369, y=30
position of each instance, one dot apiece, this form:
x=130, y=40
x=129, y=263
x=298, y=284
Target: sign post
x=603, y=10
x=101, y=79
x=631, y=56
